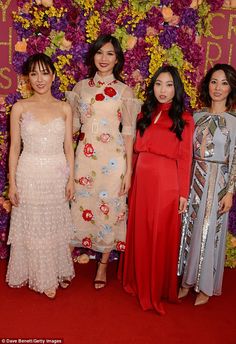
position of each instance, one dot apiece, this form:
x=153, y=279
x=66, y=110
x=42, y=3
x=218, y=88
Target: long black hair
x=40, y=59
x=230, y=74
x=177, y=107
x=98, y=44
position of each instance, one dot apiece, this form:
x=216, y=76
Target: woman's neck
x=44, y=98
x=218, y=107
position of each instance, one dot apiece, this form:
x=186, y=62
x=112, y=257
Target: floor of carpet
x=80, y=314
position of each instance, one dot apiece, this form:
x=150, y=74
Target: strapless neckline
x=32, y=116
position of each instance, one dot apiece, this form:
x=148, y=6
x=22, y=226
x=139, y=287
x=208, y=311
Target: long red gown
x=161, y=176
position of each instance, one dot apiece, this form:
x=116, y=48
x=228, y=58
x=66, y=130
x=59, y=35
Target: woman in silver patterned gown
x=202, y=249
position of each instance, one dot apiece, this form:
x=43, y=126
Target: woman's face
x=105, y=59
x=219, y=88
x=41, y=79
x=164, y=89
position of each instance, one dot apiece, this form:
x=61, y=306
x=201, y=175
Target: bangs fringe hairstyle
x=98, y=44
x=177, y=107
x=40, y=59
x=230, y=74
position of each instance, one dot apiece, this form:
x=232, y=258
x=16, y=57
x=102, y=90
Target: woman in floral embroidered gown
x=102, y=104
x=159, y=192
x=213, y=185
x=41, y=183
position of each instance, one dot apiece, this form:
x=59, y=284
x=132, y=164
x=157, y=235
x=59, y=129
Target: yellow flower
x=21, y=46
x=24, y=86
x=93, y=26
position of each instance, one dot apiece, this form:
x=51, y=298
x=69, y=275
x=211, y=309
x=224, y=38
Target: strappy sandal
x=100, y=282
x=64, y=284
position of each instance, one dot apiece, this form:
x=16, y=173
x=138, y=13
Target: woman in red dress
x=159, y=192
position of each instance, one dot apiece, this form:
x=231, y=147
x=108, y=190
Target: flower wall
x=150, y=32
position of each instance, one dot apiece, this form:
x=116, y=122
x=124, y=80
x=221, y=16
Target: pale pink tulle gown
x=41, y=228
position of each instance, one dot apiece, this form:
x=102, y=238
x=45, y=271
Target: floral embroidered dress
x=101, y=107
x=204, y=228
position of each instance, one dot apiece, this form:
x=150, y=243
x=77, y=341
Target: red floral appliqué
x=99, y=97
x=91, y=83
x=86, y=242
x=104, y=208
x=87, y=215
x=119, y=114
x=120, y=246
x=109, y=91
x=86, y=181
x=88, y=150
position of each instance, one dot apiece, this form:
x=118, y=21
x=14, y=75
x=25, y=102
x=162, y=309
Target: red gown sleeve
x=185, y=156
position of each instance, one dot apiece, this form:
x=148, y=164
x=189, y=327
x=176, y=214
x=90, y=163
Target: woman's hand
x=182, y=205
x=126, y=183
x=70, y=190
x=226, y=203
x=13, y=195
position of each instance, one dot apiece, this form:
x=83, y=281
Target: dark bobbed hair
x=230, y=74
x=98, y=44
x=177, y=107
x=40, y=59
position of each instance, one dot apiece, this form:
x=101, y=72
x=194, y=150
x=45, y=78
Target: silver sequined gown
x=41, y=227
x=204, y=230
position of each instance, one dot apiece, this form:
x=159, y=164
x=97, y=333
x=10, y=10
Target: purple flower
x=168, y=37
x=166, y=2
x=18, y=61
x=232, y=218
x=12, y=98
x=189, y=18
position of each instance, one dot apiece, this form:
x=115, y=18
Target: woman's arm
x=130, y=109
x=14, y=151
x=227, y=201
x=185, y=161
x=69, y=151
x=126, y=182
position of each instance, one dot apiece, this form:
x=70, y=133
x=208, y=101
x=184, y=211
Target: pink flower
x=105, y=137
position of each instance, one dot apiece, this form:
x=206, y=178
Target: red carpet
x=82, y=315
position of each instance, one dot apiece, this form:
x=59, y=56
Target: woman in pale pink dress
x=41, y=184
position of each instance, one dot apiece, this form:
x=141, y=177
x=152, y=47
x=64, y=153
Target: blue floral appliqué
x=105, y=229
x=105, y=170
x=112, y=163
x=83, y=193
x=104, y=121
x=103, y=194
